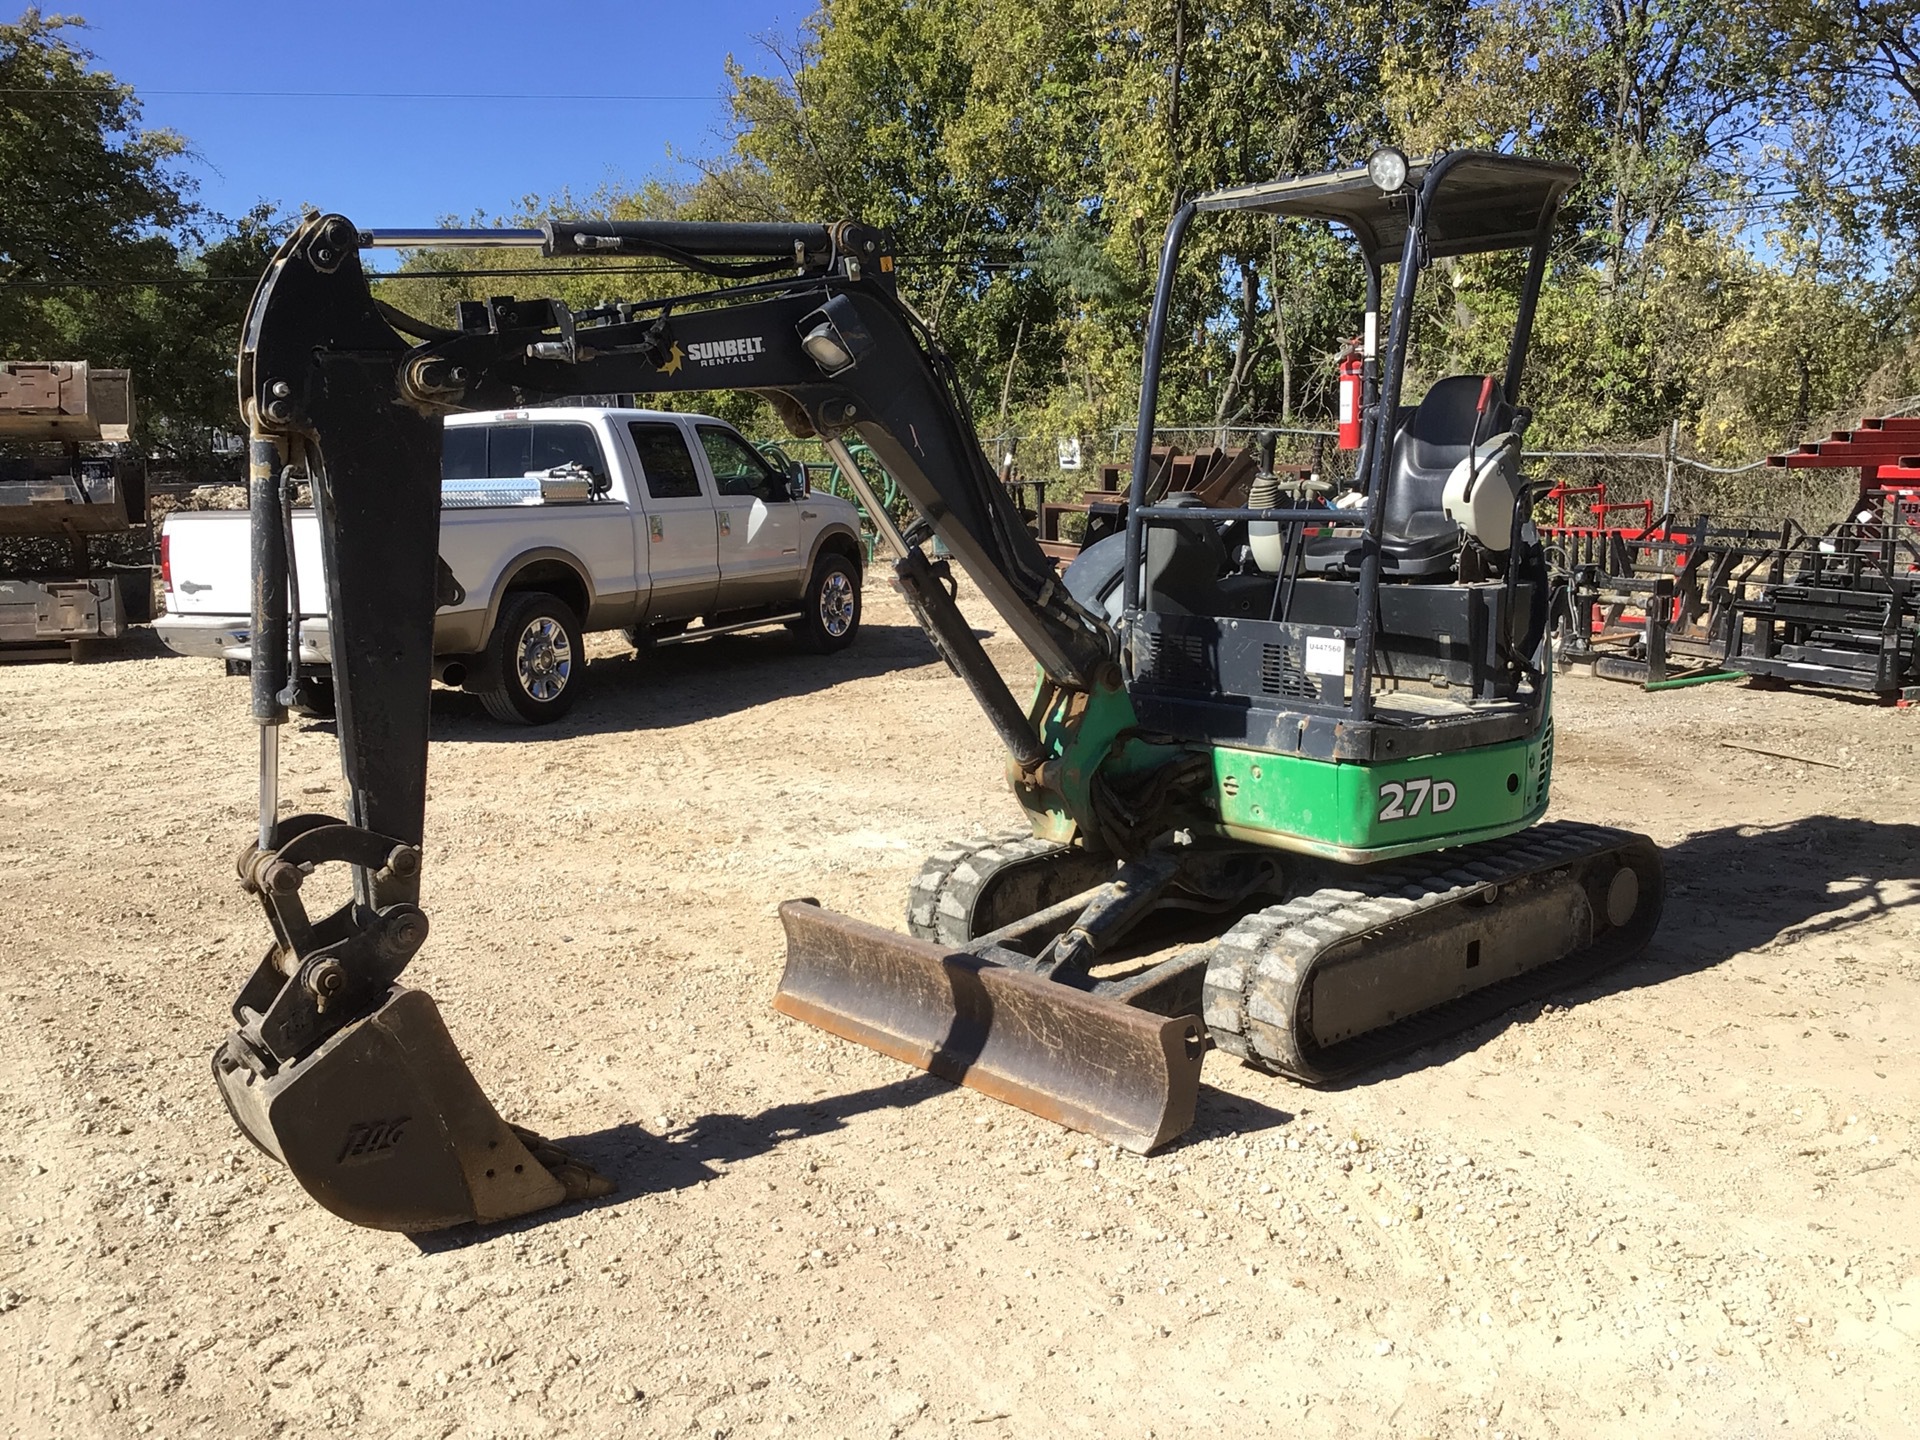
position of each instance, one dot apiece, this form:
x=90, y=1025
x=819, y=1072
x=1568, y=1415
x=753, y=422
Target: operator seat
x=1417, y=538
x=1183, y=561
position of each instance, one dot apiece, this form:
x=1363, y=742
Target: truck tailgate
x=209, y=563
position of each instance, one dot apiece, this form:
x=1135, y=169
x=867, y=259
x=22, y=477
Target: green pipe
x=1696, y=679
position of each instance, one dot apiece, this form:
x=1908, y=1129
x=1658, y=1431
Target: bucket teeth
x=1126, y=1075
x=579, y=1179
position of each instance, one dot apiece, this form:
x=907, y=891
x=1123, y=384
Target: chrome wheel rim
x=543, y=658
x=837, y=599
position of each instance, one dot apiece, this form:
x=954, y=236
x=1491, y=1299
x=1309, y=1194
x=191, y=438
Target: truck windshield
x=507, y=452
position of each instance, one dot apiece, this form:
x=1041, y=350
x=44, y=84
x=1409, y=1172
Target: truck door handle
x=726, y=521
x=193, y=587
x=654, y=528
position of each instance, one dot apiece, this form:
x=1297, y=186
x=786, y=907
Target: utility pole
x=1673, y=444
x=1173, y=103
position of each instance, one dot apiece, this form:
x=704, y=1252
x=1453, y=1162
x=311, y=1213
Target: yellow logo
x=674, y=357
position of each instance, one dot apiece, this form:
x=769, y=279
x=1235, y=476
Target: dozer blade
x=385, y=1126
x=1125, y=1075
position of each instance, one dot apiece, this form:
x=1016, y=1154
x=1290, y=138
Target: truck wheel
x=832, y=615
x=534, y=661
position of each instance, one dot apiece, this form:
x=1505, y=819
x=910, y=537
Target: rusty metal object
x=1080, y=1060
x=384, y=1125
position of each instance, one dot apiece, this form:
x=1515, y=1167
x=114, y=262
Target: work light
x=834, y=337
x=1387, y=169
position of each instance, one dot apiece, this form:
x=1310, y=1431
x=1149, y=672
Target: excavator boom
x=351, y=1078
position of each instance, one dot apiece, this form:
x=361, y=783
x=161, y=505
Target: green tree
x=1719, y=267
x=104, y=255
x=89, y=191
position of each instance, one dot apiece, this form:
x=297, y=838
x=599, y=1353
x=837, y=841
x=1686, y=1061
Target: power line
x=359, y=95
x=6, y=285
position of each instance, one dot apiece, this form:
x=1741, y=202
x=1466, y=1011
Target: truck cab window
x=738, y=468
x=665, y=460
x=463, y=453
x=556, y=443
x=507, y=452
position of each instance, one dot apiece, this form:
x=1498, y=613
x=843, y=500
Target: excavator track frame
x=1263, y=974
x=971, y=887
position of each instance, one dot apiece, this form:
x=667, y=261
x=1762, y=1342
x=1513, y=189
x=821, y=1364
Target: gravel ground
x=1677, y=1201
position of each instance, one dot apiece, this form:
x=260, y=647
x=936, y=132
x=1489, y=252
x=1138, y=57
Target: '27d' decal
x=1404, y=801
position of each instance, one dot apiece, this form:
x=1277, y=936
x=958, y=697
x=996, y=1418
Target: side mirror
x=797, y=484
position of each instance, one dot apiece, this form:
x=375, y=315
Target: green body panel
x=1082, y=731
x=1341, y=810
x=1359, y=812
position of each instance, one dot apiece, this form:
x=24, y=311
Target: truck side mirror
x=797, y=485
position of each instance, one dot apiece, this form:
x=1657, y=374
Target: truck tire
x=534, y=661
x=831, y=617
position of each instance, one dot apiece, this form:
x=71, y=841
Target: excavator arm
x=335, y=1068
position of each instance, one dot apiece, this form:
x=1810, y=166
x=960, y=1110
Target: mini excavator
x=1285, y=767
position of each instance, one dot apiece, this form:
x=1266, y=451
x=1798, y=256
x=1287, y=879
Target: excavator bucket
x=1092, y=1064
x=385, y=1126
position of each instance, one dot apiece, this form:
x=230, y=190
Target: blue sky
x=365, y=141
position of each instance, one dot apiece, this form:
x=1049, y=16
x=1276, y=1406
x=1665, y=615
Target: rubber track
x=1259, y=968
x=941, y=899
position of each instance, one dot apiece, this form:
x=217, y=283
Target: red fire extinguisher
x=1352, y=368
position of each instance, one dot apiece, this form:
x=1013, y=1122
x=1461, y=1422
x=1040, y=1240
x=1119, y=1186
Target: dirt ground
x=1680, y=1201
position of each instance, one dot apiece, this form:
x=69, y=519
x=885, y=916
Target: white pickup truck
x=556, y=522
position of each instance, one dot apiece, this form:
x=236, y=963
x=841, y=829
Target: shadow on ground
x=1741, y=888
x=684, y=684
x=1730, y=891
x=642, y=1163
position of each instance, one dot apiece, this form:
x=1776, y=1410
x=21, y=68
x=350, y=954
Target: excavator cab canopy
x=1409, y=623
x=1487, y=202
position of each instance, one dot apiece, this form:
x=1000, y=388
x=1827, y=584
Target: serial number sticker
x=1326, y=655
x=1404, y=801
